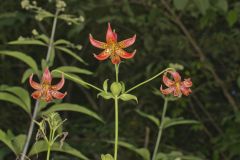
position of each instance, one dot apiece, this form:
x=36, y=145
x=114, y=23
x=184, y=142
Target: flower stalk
x=161, y=127
x=36, y=107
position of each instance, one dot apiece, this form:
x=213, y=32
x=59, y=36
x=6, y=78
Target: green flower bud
x=116, y=88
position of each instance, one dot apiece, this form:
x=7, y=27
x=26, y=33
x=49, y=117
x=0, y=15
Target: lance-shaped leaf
x=14, y=99
x=152, y=118
x=27, y=41
x=41, y=146
x=21, y=93
x=143, y=152
x=6, y=139
x=73, y=108
x=27, y=74
x=128, y=97
x=71, y=53
x=18, y=143
x=23, y=57
x=105, y=85
x=168, y=122
x=73, y=69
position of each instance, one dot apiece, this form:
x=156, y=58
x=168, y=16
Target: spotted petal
x=177, y=92
x=97, y=43
x=111, y=37
x=102, y=56
x=187, y=83
x=124, y=54
x=167, y=90
x=175, y=75
x=127, y=42
x=59, y=85
x=186, y=91
x=46, y=78
x=167, y=81
x=34, y=84
x=36, y=94
x=58, y=95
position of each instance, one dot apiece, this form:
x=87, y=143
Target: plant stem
x=116, y=128
x=116, y=116
x=117, y=71
x=160, y=129
x=35, y=112
x=48, y=152
x=148, y=80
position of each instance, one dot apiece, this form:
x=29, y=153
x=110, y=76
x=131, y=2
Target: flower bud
x=116, y=88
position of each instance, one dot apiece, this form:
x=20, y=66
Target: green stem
x=160, y=129
x=48, y=152
x=117, y=71
x=148, y=80
x=79, y=80
x=116, y=129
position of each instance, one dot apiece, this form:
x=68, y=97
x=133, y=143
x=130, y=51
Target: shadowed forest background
x=203, y=36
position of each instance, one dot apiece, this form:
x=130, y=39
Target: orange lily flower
x=44, y=90
x=176, y=86
x=112, y=48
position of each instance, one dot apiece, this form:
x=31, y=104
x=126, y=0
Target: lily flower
x=176, y=86
x=112, y=48
x=44, y=90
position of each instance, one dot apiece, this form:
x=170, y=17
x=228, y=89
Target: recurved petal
x=186, y=91
x=124, y=54
x=36, y=94
x=34, y=84
x=102, y=56
x=110, y=36
x=167, y=81
x=127, y=42
x=47, y=77
x=59, y=85
x=115, y=59
x=167, y=90
x=97, y=43
x=175, y=75
x=187, y=83
x=58, y=95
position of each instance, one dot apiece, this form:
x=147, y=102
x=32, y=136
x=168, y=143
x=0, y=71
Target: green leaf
x=180, y=4
x=128, y=97
x=21, y=93
x=73, y=108
x=26, y=75
x=41, y=146
x=71, y=53
x=27, y=41
x=73, y=69
x=6, y=139
x=232, y=17
x=105, y=85
x=168, y=122
x=202, y=5
x=18, y=143
x=143, y=152
x=14, y=99
x=23, y=57
x=62, y=41
x=105, y=95
x=223, y=5
x=152, y=118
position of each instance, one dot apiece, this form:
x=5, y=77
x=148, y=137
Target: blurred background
x=201, y=35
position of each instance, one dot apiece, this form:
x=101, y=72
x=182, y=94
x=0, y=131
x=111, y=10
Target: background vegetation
x=201, y=35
